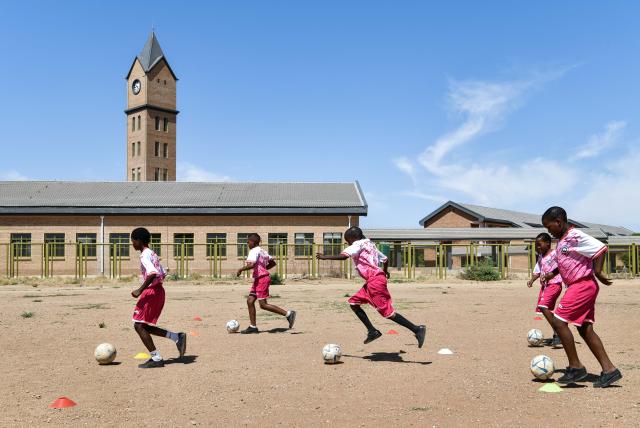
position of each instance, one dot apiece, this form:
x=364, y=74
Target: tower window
x=158, y=80
x=133, y=123
x=165, y=82
x=138, y=151
x=165, y=151
x=133, y=174
x=138, y=122
x=157, y=149
x=133, y=149
x=157, y=123
x=165, y=125
x=139, y=174
x=157, y=174
x=165, y=174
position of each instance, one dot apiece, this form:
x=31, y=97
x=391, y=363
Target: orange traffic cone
x=197, y=318
x=61, y=403
x=392, y=332
x=194, y=333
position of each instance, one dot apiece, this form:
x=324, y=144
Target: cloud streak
x=599, y=142
x=189, y=172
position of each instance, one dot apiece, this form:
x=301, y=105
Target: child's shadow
x=187, y=359
x=278, y=330
x=393, y=357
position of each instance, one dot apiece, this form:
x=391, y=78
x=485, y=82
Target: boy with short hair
x=260, y=262
x=151, y=301
x=366, y=258
x=580, y=258
x=550, y=289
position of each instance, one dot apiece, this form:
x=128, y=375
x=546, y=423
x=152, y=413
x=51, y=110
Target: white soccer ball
x=331, y=353
x=105, y=353
x=535, y=337
x=542, y=367
x=233, y=326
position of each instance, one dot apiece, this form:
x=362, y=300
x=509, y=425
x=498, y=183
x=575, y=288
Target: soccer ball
x=233, y=326
x=542, y=367
x=535, y=337
x=105, y=353
x=331, y=353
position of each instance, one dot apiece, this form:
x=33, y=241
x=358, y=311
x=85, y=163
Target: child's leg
x=396, y=317
x=566, y=337
x=143, y=332
x=251, y=300
x=548, y=316
x=597, y=348
x=362, y=315
x=271, y=308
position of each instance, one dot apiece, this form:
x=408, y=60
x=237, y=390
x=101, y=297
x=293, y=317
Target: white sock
x=288, y=313
x=252, y=326
x=155, y=356
x=173, y=336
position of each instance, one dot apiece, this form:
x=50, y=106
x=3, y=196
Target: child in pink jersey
x=366, y=258
x=260, y=262
x=151, y=301
x=580, y=258
x=550, y=289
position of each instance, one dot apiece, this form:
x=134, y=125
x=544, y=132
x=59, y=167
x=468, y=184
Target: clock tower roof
x=151, y=55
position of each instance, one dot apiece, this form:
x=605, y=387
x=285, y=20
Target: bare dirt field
x=278, y=378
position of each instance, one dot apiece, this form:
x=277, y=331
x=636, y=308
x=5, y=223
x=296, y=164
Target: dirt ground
x=277, y=378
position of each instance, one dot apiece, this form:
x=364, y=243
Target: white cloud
x=406, y=166
x=12, y=175
x=427, y=197
x=189, y=172
x=598, y=142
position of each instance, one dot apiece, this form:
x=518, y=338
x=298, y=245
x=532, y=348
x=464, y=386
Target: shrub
x=26, y=314
x=276, y=279
x=484, y=271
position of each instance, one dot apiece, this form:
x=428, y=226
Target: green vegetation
x=27, y=314
x=484, y=271
x=276, y=279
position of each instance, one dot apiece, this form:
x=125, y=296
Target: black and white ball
x=233, y=326
x=331, y=353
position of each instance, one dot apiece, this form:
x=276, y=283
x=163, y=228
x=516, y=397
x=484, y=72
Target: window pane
x=119, y=244
x=55, y=244
x=133, y=149
x=304, y=244
x=133, y=123
x=157, y=123
x=156, y=174
x=157, y=149
x=165, y=125
x=242, y=248
x=183, y=242
x=165, y=151
x=332, y=243
x=21, y=244
x=89, y=244
x=274, y=240
x=138, y=123
x=154, y=243
x=221, y=248
x=138, y=150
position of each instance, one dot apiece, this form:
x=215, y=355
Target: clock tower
x=151, y=116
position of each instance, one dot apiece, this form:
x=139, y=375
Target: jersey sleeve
x=589, y=246
x=146, y=261
x=536, y=269
x=252, y=257
x=381, y=257
x=352, y=250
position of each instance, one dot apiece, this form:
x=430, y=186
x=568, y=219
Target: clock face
x=136, y=87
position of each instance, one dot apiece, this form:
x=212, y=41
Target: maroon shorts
x=149, y=306
x=260, y=287
x=548, y=296
x=375, y=293
x=578, y=305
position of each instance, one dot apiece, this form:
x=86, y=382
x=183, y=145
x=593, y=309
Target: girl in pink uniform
x=550, y=289
x=366, y=258
x=580, y=258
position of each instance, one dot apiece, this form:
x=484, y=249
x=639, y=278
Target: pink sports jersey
x=366, y=257
x=261, y=259
x=547, y=264
x=575, y=253
x=149, y=263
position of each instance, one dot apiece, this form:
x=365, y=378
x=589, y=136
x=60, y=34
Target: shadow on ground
x=393, y=357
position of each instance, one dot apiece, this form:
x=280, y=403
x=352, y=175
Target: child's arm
x=385, y=268
x=147, y=282
x=598, y=262
x=321, y=256
x=533, y=279
x=247, y=266
x=271, y=264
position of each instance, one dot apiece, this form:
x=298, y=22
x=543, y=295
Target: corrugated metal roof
x=624, y=240
x=70, y=196
x=464, y=234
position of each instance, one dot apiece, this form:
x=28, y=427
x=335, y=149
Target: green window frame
x=154, y=243
x=303, y=244
x=274, y=240
x=221, y=240
x=183, y=238
x=242, y=248
x=90, y=240
x=55, y=243
x=21, y=243
x=332, y=243
x=119, y=245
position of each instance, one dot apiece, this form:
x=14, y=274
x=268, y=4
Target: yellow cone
x=142, y=356
x=550, y=387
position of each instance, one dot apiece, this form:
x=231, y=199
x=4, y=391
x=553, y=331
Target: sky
x=514, y=105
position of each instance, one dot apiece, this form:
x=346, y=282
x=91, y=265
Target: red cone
x=538, y=318
x=197, y=318
x=392, y=332
x=61, y=403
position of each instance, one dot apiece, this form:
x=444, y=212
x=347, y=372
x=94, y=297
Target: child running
x=366, y=258
x=151, y=301
x=580, y=258
x=260, y=262
x=550, y=289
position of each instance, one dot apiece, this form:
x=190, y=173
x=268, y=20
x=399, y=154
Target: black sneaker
x=150, y=364
x=573, y=375
x=291, y=318
x=181, y=344
x=606, y=379
x=422, y=331
x=250, y=330
x=548, y=342
x=372, y=335
x=556, y=343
